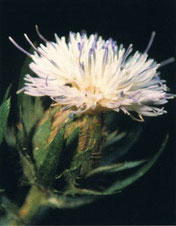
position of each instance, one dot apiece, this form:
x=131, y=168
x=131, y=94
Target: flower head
x=88, y=74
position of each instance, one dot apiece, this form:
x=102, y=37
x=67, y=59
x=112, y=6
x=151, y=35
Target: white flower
x=88, y=74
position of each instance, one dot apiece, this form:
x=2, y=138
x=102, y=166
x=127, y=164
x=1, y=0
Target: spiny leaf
x=121, y=184
x=4, y=113
x=115, y=167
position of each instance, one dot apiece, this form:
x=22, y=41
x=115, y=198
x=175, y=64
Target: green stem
x=34, y=200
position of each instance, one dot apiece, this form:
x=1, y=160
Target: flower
x=88, y=74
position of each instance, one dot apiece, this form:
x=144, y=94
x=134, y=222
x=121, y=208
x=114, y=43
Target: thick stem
x=34, y=200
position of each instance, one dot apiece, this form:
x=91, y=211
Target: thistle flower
x=64, y=158
x=89, y=74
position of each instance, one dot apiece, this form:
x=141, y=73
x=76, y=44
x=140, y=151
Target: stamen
x=126, y=54
x=113, y=47
x=168, y=61
x=47, y=80
x=140, y=119
x=61, y=97
x=94, y=45
x=19, y=47
x=149, y=68
x=20, y=90
x=83, y=34
x=53, y=63
x=39, y=34
x=150, y=42
x=38, y=51
x=79, y=46
x=91, y=51
x=69, y=37
x=33, y=46
x=159, y=80
x=105, y=57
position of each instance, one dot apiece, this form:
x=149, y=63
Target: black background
x=151, y=200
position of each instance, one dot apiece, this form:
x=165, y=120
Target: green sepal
x=47, y=171
x=4, y=113
x=79, y=167
x=85, y=139
x=121, y=184
x=73, y=137
x=83, y=161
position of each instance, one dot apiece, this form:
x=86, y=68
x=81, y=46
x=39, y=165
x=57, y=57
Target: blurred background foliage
x=151, y=200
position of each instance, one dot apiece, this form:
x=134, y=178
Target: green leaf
x=29, y=170
x=31, y=112
x=40, y=142
x=47, y=171
x=114, y=152
x=84, y=191
x=31, y=107
x=115, y=167
x=113, y=138
x=10, y=136
x=7, y=93
x=4, y=113
x=121, y=184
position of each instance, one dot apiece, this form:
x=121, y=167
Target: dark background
x=151, y=200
